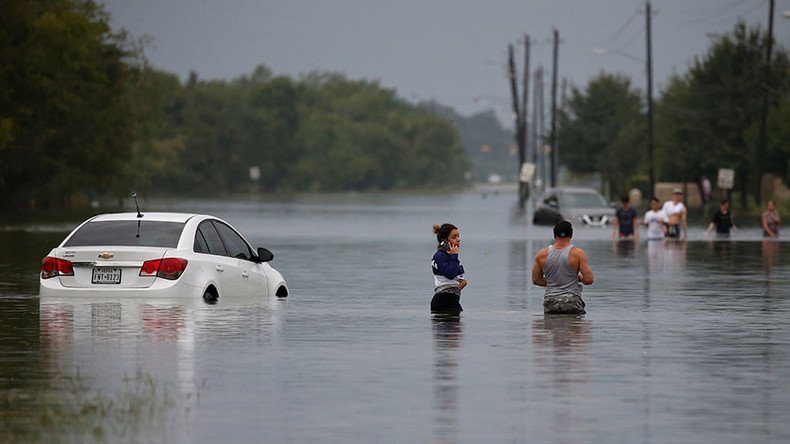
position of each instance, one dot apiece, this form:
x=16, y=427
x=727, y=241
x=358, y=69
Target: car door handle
x=220, y=269
x=245, y=275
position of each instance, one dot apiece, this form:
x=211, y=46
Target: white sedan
x=159, y=254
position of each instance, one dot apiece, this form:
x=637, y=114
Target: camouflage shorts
x=567, y=303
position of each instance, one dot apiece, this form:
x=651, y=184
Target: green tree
x=707, y=118
x=63, y=101
x=601, y=130
x=157, y=141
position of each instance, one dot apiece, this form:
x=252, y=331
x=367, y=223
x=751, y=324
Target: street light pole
x=555, y=154
x=649, y=70
x=761, y=139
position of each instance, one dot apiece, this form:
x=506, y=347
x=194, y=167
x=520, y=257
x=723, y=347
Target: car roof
x=158, y=217
x=573, y=190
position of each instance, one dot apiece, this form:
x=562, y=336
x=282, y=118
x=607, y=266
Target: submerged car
x=577, y=205
x=161, y=255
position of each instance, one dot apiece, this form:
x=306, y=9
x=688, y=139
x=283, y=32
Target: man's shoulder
x=577, y=251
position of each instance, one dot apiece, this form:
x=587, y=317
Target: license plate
x=106, y=276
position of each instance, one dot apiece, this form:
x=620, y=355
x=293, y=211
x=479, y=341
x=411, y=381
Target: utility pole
x=544, y=162
x=511, y=74
x=534, y=147
x=534, y=133
x=522, y=143
x=520, y=114
x=555, y=155
x=761, y=139
x=649, y=71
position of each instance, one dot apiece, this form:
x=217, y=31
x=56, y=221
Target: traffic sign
x=726, y=178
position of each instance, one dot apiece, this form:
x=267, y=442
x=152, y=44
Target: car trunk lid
x=108, y=267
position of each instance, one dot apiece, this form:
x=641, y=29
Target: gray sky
x=452, y=51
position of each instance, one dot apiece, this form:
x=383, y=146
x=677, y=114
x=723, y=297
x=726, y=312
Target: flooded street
x=682, y=342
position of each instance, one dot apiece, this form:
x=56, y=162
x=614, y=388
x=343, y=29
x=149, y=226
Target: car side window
x=200, y=243
x=237, y=247
x=213, y=241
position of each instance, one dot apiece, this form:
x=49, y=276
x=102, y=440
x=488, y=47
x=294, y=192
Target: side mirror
x=264, y=255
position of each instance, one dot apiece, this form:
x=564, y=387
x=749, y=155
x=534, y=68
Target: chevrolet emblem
x=106, y=255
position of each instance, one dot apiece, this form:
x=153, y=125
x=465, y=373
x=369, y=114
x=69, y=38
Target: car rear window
x=583, y=200
x=127, y=233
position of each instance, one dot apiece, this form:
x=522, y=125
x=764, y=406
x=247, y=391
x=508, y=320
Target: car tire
x=210, y=297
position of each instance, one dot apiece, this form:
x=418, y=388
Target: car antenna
x=134, y=195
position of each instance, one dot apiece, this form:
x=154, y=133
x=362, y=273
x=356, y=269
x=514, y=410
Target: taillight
x=168, y=268
x=52, y=266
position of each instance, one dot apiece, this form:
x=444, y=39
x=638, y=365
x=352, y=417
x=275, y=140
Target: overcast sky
x=452, y=51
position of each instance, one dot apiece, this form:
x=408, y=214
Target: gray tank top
x=560, y=277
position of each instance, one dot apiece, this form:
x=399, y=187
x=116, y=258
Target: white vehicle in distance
x=159, y=255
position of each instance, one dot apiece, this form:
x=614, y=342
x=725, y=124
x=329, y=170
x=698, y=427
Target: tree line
x=83, y=116
x=705, y=119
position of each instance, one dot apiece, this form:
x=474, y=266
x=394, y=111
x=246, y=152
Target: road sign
x=726, y=178
x=255, y=173
x=527, y=172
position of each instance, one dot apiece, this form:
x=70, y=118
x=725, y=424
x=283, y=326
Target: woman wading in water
x=448, y=273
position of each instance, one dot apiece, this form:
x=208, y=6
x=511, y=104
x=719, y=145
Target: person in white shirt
x=656, y=221
x=676, y=213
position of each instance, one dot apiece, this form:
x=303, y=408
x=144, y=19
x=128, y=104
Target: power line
x=726, y=13
x=609, y=41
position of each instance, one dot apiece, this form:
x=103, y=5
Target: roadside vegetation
x=705, y=119
x=142, y=409
x=84, y=117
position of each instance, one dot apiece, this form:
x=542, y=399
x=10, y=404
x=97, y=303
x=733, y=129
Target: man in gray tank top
x=562, y=268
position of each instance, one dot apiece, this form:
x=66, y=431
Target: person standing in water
x=722, y=221
x=448, y=273
x=656, y=221
x=625, y=221
x=562, y=268
x=770, y=220
x=676, y=213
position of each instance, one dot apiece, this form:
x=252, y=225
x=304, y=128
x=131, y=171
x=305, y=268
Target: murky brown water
x=684, y=342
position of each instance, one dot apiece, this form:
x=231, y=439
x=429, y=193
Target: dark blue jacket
x=446, y=264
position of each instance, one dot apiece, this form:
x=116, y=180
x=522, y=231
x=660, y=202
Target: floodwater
x=682, y=342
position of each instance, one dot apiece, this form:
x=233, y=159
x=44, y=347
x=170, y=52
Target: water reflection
x=73, y=329
x=561, y=351
x=447, y=335
x=561, y=334
x=666, y=257
x=770, y=253
x=520, y=276
x=105, y=318
x=721, y=248
x=162, y=322
x=625, y=248
x=56, y=325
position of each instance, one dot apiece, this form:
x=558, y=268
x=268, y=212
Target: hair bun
x=436, y=228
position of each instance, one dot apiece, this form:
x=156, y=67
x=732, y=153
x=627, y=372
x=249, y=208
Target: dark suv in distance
x=577, y=205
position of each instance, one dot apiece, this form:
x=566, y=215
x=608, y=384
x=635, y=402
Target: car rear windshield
x=582, y=200
x=127, y=233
